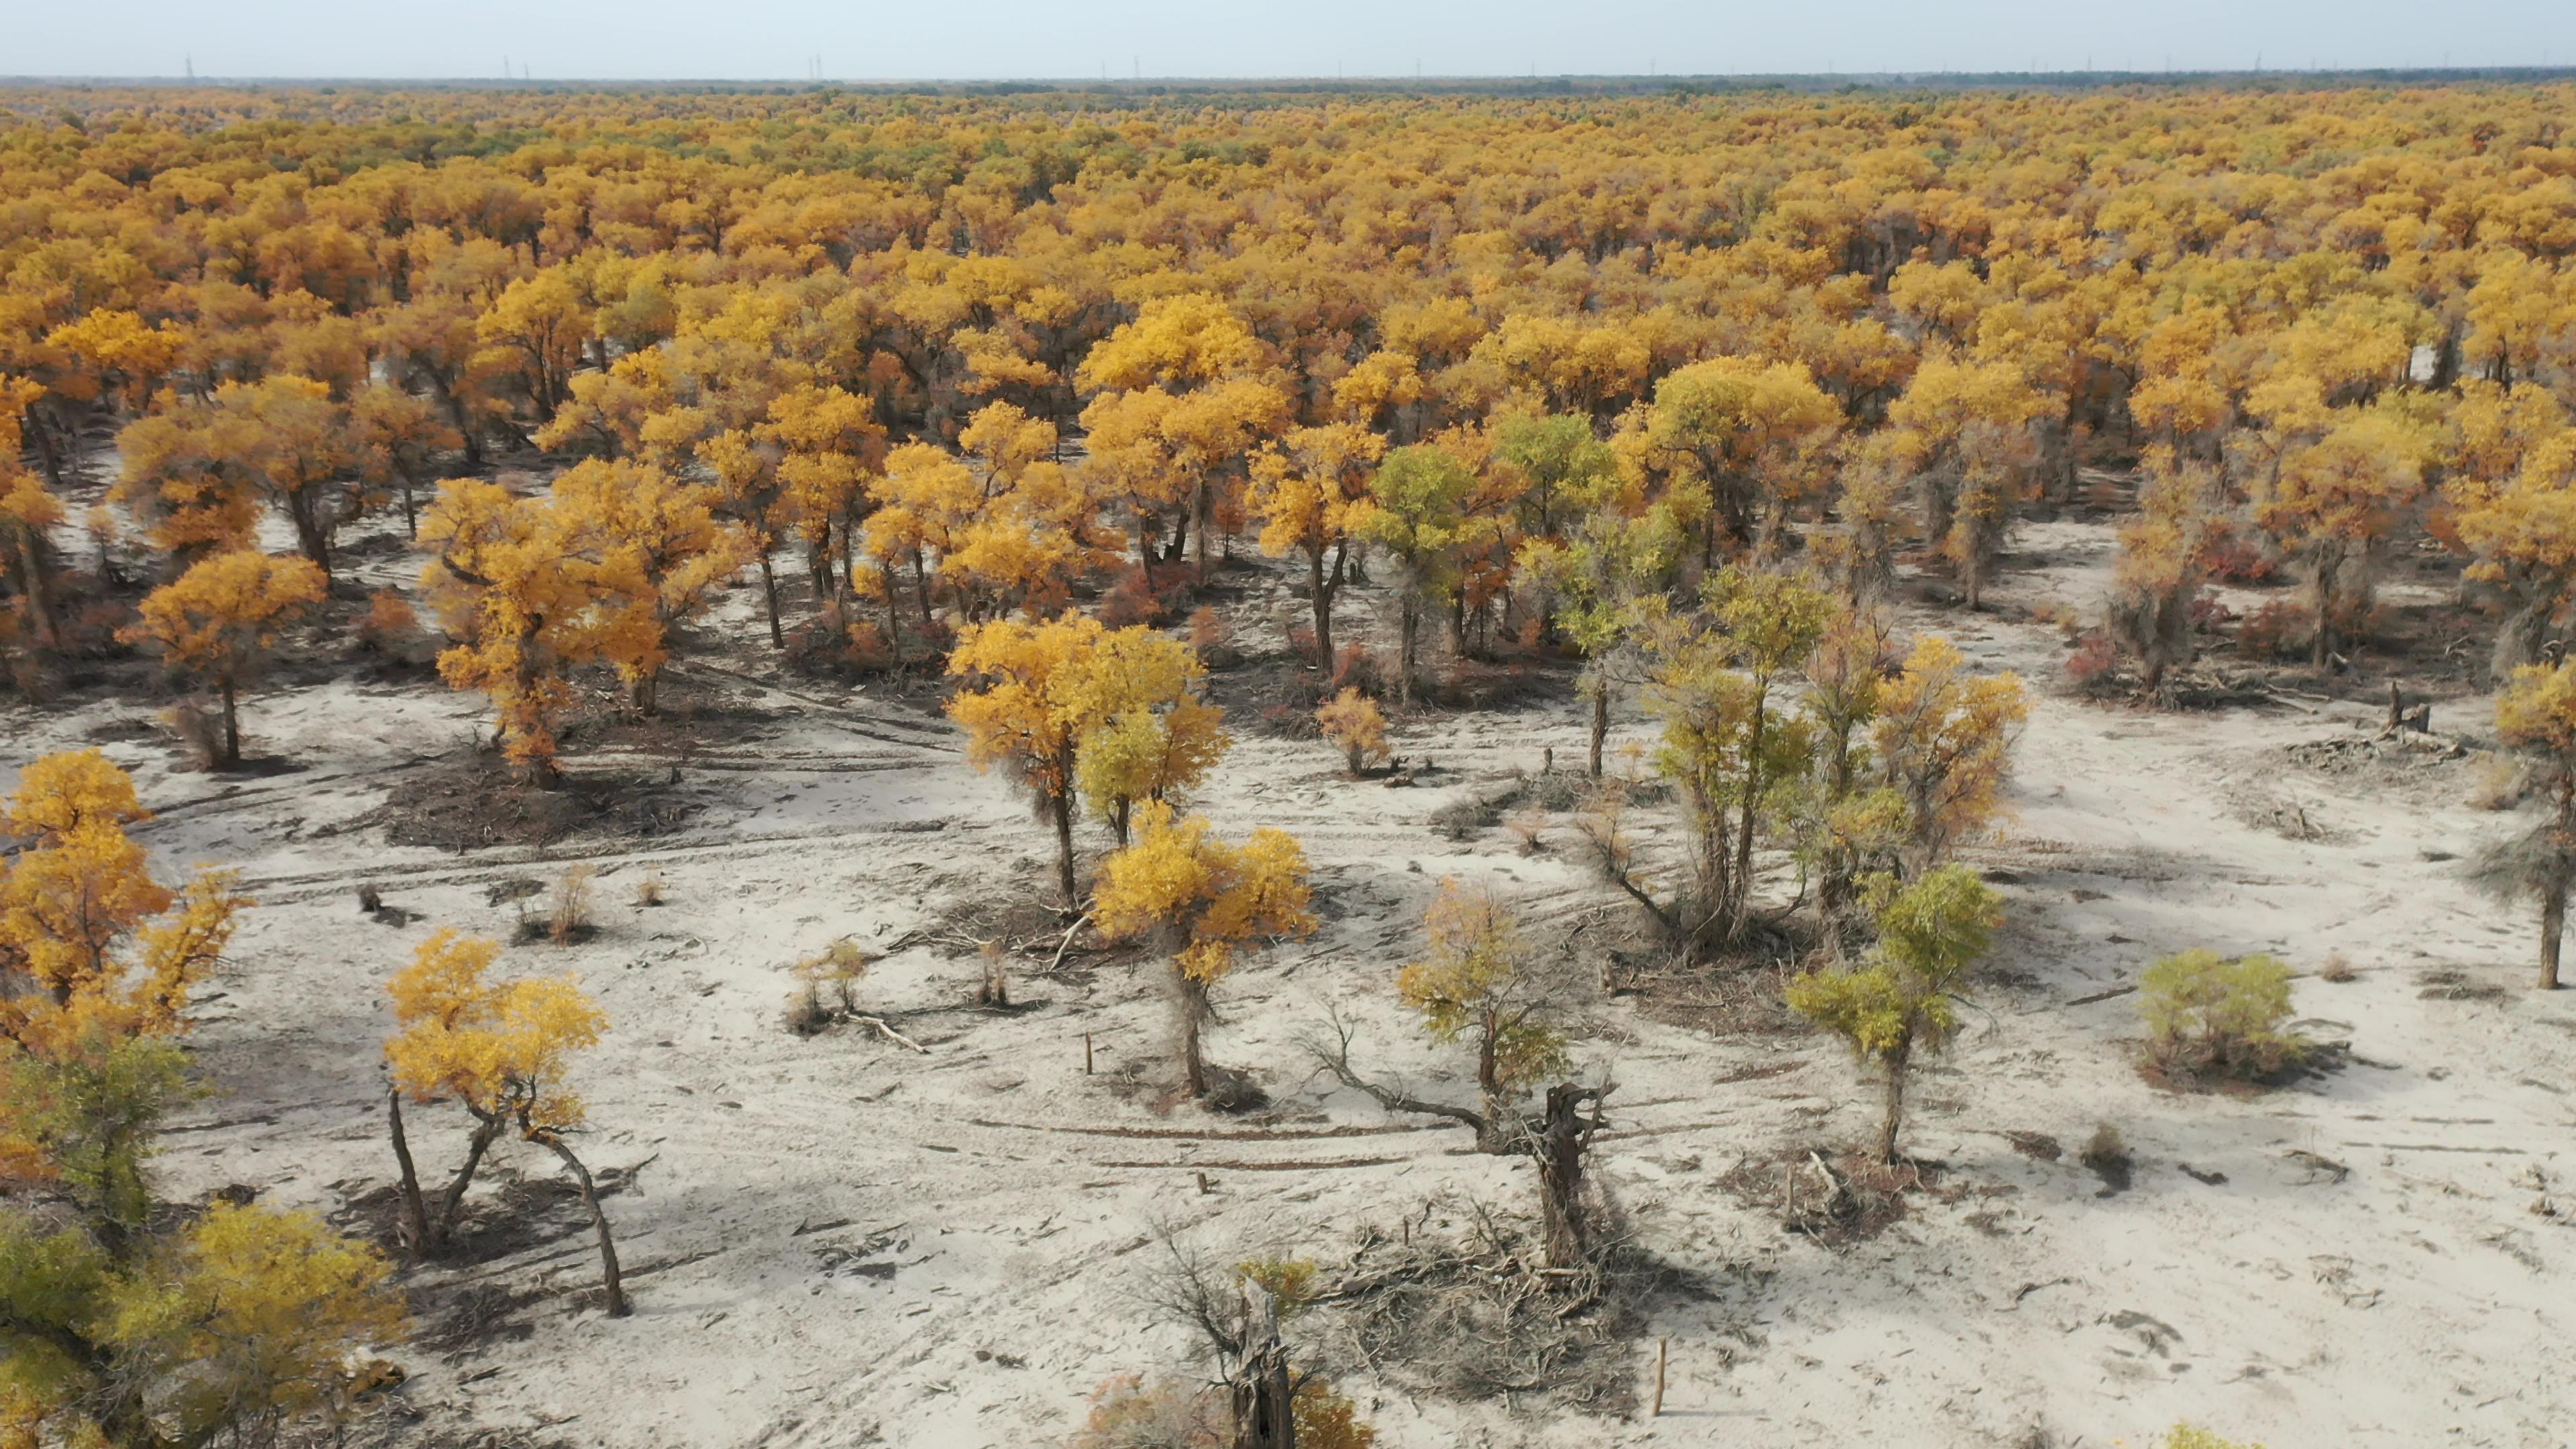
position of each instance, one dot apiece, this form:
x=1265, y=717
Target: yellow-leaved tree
x=1147, y=733
x=220, y=620
x=1049, y=693
x=2536, y=718
x=1944, y=739
x=28, y=513
x=89, y=941
x=123, y=1322
x=1309, y=490
x=500, y=1050
x=1202, y=901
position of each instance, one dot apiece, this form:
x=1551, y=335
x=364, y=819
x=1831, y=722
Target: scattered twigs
x=878, y=1025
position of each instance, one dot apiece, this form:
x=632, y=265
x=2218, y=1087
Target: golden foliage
x=89, y=941
x=500, y=1048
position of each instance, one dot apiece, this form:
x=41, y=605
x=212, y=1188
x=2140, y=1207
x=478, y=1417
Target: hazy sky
x=963, y=39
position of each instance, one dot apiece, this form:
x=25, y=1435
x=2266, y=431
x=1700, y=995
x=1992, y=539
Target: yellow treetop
x=522, y=594
x=89, y=941
x=220, y=618
x=1944, y=738
x=500, y=1048
x=1206, y=898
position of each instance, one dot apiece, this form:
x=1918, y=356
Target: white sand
x=2417, y=1301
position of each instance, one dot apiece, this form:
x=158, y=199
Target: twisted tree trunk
x=414, y=1229
x=618, y=1307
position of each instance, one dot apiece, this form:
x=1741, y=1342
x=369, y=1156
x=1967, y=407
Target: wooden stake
x=1086, y=1054
x=1661, y=1345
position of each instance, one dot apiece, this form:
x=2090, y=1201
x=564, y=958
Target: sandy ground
x=835, y=1241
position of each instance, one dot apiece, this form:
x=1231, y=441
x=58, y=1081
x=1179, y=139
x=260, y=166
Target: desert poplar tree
x=220, y=622
x=1898, y=1003
x=1202, y=901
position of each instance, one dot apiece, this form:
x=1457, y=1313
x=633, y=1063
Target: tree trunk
x=31, y=568
x=452, y=1201
x=769, y=594
x=1600, y=719
x=2320, y=643
x=1118, y=817
x=1894, y=1063
x=1741, y=887
x=618, y=1307
x=414, y=1228
x=1061, y=808
x=1408, y=627
x=1191, y=1001
x=2553, y=923
x=1263, y=1392
x=1322, y=597
x=232, y=728
x=1203, y=511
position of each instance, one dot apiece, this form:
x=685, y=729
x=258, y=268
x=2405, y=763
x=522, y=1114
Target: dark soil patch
x=465, y=1316
x=521, y=1214
x=2037, y=1146
x=2450, y=983
x=476, y=805
x=2109, y=1159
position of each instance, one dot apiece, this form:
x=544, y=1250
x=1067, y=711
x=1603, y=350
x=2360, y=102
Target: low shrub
x=1356, y=727
x=2234, y=560
x=2095, y=664
x=2210, y=1013
x=568, y=911
x=2278, y=630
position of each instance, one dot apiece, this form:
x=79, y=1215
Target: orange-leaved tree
x=662, y=552
x=500, y=1050
x=220, y=620
x=522, y=595
x=89, y=941
x=1202, y=900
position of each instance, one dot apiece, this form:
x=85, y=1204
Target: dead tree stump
x=1264, y=1391
x=1558, y=1140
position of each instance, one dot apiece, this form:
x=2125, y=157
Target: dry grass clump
x=2337, y=968
x=2496, y=783
x=565, y=914
x=2106, y=1152
x=568, y=910
x=198, y=733
x=649, y=890
x=827, y=986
